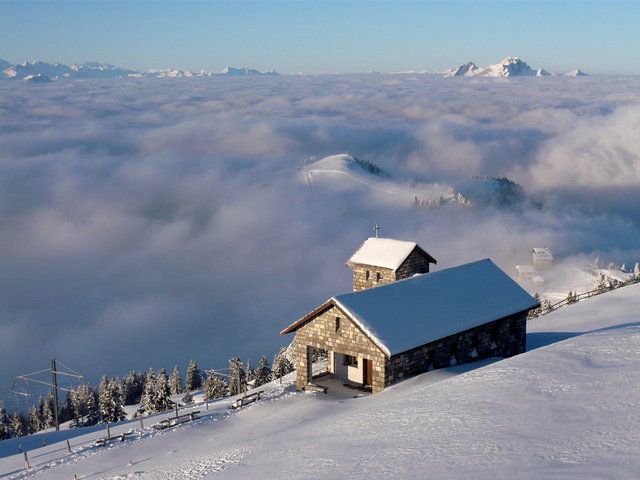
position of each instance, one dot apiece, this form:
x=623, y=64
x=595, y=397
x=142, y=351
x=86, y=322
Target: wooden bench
x=247, y=399
x=177, y=420
x=101, y=442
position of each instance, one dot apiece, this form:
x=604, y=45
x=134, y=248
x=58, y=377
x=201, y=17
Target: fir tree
x=110, y=400
x=193, y=380
x=48, y=411
x=133, y=386
x=175, y=382
x=148, y=394
x=34, y=420
x=18, y=425
x=636, y=271
x=281, y=364
x=156, y=393
x=214, y=387
x=5, y=423
x=237, y=376
x=83, y=402
x=601, y=284
x=262, y=373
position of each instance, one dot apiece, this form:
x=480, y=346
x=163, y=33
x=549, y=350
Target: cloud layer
x=145, y=222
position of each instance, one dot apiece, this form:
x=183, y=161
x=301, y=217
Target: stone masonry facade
x=321, y=332
x=501, y=338
x=366, y=276
x=369, y=276
x=414, y=263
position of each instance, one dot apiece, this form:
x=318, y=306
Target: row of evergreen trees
x=85, y=405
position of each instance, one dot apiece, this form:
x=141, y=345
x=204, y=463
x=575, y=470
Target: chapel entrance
x=367, y=374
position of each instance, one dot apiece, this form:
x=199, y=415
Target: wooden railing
x=576, y=297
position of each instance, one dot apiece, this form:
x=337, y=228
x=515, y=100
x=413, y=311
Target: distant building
x=541, y=256
x=375, y=337
x=380, y=261
x=525, y=271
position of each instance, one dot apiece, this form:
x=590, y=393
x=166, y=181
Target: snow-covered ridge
x=347, y=174
x=103, y=70
x=509, y=67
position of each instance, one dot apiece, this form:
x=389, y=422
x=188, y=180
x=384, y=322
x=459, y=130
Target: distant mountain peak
x=245, y=71
x=508, y=67
x=576, y=72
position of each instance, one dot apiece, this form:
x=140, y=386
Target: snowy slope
x=562, y=410
x=342, y=173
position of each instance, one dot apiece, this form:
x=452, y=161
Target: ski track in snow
x=189, y=469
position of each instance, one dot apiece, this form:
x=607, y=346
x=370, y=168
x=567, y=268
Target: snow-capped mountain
x=509, y=67
x=38, y=78
x=51, y=70
x=576, y=72
x=56, y=71
x=245, y=71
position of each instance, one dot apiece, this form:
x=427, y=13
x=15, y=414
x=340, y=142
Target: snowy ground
x=568, y=408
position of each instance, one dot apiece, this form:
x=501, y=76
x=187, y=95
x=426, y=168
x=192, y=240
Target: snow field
x=562, y=410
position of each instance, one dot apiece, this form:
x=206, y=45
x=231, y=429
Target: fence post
x=141, y=423
x=26, y=461
x=207, y=405
x=176, y=410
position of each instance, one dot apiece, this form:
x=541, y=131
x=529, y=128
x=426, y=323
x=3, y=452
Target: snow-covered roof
x=525, y=269
x=542, y=253
x=384, y=253
x=419, y=310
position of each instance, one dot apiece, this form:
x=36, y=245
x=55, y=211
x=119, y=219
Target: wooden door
x=368, y=372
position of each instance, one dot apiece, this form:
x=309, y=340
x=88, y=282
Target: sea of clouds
x=144, y=222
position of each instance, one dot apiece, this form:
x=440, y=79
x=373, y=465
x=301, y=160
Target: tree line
x=85, y=405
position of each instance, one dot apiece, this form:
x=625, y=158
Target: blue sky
x=324, y=37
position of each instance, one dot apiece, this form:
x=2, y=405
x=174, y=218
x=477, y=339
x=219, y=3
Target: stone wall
x=501, y=338
x=361, y=282
x=320, y=332
x=414, y=263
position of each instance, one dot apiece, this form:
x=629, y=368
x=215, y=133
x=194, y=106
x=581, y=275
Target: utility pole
x=54, y=385
x=377, y=229
x=54, y=382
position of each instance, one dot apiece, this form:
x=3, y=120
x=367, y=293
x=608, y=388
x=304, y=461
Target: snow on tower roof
x=385, y=253
x=419, y=310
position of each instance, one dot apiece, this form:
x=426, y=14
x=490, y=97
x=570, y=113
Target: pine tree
x=175, y=382
x=48, y=411
x=163, y=392
x=148, y=399
x=636, y=271
x=262, y=373
x=193, y=380
x=5, y=423
x=281, y=364
x=33, y=420
x=110, y=401
x=601, y=284
x=237, y=376
x=156, y=393
x=215, y=387
x=133, y=386
x=18, y=425
x=83, y=401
